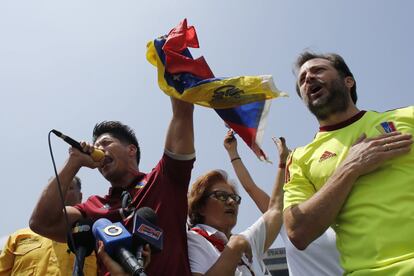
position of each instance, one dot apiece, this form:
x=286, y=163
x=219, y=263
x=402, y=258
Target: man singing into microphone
x=164, y=189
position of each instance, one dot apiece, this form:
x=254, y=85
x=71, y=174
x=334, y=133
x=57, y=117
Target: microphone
x=83, y=243
x=118, y=242
x=145, y=232
x=96, y=154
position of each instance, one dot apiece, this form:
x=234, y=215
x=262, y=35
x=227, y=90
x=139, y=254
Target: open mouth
x=314, y=91
x=107, y=160
x=315, y=88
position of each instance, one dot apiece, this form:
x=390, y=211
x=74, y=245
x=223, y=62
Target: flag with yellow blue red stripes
x=242, y=101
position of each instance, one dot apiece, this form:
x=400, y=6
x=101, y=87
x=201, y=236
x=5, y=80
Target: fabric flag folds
x=249, y=122
x=242, y=102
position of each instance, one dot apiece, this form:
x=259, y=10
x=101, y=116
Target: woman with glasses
x=213, y=209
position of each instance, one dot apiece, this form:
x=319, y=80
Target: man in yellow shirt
x=27, y=253
x=357, y=174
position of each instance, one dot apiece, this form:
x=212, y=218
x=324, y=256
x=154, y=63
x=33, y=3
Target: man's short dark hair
x=337, y=62
x=119, y=131
x=78, y=182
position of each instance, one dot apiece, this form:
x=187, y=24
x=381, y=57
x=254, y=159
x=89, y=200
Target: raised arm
x=271, y=207
x=276, y=199
x=308, y=220
x=258, y=195
x=180, y=134
x=48, y=218
x=273, y=217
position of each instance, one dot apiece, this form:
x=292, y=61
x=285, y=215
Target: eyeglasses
x=224, y=196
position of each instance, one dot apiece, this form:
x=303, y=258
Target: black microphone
x=96, y=154
x=145, y=232
x=118, y=242
x=84, y=243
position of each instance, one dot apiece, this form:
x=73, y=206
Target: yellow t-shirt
x=375, y=227
x=27, y=253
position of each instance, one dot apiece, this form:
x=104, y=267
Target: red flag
x=178, y=40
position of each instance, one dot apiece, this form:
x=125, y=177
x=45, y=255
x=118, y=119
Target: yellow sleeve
x=298, y=188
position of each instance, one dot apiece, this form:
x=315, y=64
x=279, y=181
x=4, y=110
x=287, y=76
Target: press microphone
x=83, y=243
x=145, y=229
x=145, y=232
x=96, y=154
x=118, y=242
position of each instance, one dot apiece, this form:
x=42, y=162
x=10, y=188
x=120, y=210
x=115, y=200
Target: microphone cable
x=62, y=199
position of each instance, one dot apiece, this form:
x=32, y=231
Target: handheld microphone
x=145, y=230
x=96, y=154
x=118, y=242
x=84, y=243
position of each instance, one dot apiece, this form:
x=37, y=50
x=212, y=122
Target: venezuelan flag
x=191, y=80
x=242, y=102
x=249, y=122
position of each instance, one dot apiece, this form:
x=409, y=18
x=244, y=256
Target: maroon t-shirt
x=164, y=189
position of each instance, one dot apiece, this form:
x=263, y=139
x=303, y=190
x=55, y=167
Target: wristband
x=282, y=165
x=235, y=158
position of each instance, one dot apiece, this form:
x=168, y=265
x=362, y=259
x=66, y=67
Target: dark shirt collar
x=114, y=191
x=343, y=124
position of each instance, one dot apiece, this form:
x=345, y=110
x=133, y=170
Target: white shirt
x=320, y=258
x=203, y=255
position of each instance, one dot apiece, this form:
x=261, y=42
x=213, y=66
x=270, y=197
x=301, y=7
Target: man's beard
x=336, y=101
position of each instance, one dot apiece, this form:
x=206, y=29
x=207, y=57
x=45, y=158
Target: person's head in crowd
x=122, y=151
x=213, y=200
x=74, y=194
x=325, y=83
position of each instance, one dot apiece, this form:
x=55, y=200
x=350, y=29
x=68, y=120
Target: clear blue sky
x=70, y=64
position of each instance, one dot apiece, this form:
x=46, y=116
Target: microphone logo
x=113, y=230
x=149, y=231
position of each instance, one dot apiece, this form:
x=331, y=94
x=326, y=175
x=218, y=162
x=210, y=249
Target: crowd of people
x=342, y=204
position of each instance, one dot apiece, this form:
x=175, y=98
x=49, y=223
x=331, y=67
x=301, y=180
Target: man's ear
x=349, y=82
x=132, y=150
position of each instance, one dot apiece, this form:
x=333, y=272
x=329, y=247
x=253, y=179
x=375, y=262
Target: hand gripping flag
x=249, y=122
x=191, y=80
x=242, y=102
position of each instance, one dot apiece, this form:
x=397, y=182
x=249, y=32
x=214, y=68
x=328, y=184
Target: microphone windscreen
x=148, y=214
x=82, y=236
x=145, y=231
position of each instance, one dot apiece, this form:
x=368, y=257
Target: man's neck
x=126, y=179
x=336, y=118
